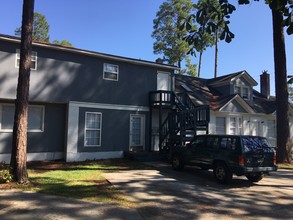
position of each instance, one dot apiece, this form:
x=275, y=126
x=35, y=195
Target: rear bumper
x=245, y=170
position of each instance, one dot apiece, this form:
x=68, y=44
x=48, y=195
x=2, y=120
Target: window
x=242, y=90
x=35, y=118
x=111, y=72
x=240, y=125
x=93, y=126
x=33, y=60
x=271, y=129
x=245, y=93
x=228, y=143
x=213, y=142
x=220, y=125
x=233, y=126
x=137, y=130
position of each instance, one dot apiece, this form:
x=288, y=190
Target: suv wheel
x=222, y=173
x=255, y=177
x=177, y=162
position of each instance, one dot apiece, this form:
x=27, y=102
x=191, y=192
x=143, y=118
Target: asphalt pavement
x=162, y=193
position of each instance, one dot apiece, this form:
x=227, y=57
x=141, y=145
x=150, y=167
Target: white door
x=137, y=132
x=163, y=81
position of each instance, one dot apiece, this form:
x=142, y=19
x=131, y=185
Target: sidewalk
x=20, y=205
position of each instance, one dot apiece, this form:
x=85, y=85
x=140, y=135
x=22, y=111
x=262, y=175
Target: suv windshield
x=252, y=144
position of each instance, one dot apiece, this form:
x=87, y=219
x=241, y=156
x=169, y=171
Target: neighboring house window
x=35, y=118
x=111, y=72
x=220, y=125
x=271, y=129
x=242, y=90
x=33, y=60
x=93, y=126
x=240, y=125
x=233, y=126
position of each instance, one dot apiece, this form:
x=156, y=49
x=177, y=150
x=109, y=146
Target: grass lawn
x=83, y=180
x=286, y=166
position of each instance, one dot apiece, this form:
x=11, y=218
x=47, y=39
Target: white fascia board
x=110, y=106
x=94, y=54
x=242, y=103
x=247, y=77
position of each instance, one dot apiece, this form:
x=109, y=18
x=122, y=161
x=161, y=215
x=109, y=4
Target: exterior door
x=137, y=132
x=163, y=81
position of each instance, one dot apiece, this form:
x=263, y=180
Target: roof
x=203, y=92
x=227, y=79
x=90, y=53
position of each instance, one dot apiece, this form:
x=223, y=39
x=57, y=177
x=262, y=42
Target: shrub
x=5, y=173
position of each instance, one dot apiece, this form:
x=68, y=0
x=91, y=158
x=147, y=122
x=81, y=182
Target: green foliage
x=283, y=6
x=5, y=173
x=168, y=36
x=63, y=43
x=191, y=68
x=212, y=16
x=40, y=28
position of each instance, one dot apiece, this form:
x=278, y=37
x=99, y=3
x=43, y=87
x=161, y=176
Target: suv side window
x=228, y=143
x=213, y=142
x=198, y=142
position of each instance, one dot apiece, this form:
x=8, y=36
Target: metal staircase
x=183, y=121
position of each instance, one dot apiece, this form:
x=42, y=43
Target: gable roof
x=227, y=79
x=8, y=38
x=201, y=92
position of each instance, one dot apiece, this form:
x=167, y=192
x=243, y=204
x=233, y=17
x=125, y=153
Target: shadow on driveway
x=194, y=194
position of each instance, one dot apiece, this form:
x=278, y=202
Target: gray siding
x=63, y=76
x=115, y=130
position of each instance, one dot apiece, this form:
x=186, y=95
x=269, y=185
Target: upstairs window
x=33, y=60
x=243, y=91
x=111, y=72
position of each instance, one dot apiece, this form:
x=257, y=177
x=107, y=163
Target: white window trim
x=28, y=130
x=85, y=129
x=34, y=58
x=111, y=72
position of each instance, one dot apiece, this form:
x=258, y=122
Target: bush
x=5, y=173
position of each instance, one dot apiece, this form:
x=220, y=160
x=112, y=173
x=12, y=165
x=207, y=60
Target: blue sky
x=124, y=28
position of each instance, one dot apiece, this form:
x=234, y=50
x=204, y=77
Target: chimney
x=159, y=60
x=265, y=84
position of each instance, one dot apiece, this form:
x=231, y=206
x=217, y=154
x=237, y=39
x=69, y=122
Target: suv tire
x=177, y=162
x=222, y=173
x=255, y=177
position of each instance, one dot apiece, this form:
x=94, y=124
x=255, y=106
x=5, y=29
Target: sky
x=124, y=28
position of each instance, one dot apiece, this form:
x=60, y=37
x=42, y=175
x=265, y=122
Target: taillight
x=275, y=159
x=241, y=160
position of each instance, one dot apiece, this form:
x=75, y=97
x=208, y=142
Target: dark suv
x=227, y=155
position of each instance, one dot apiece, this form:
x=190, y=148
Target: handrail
x=161, y=97
x=186, y=116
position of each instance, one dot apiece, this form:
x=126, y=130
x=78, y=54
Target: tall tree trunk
x=19, y=142
x=283, y=134
x=216, y=55
x=199, y=64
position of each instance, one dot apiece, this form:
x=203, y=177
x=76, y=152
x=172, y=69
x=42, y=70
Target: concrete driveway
x=194, y=194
